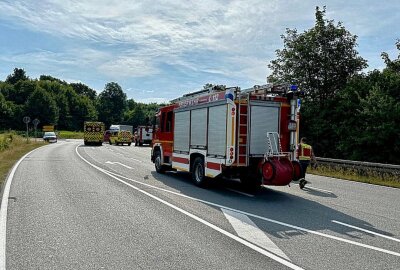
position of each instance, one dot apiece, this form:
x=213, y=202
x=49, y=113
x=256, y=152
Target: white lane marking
x=259, y=217
x=226, y=233
x=314, y=188
x=242, y=193
x=119, y=163
x=264, y=218
x=367, y=231
x=3, y=211
x=246, y=229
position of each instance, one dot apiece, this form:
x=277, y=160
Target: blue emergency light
x=293, y=88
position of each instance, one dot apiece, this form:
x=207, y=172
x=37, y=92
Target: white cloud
x=128, y=67
x=225, y=40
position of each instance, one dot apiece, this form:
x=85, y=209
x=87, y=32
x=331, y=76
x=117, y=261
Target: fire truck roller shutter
x=198, y=131
x=217, y=130
x=182, y=131
x=263, y=119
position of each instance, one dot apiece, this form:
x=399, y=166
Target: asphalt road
x=77, y=207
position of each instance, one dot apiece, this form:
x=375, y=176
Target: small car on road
x=50, y=137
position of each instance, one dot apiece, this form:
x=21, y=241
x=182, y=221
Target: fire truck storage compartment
x=198, y=128
x=182, y=131
x=217, y=130
x=264, y=118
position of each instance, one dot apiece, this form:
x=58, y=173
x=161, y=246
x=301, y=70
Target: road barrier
x=360, y=166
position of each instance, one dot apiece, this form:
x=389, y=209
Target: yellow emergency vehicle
x=118, y=137
x=93, y=133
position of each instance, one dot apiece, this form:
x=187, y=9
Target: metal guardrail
x=360, y=165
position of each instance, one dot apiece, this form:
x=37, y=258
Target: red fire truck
x=250, y=134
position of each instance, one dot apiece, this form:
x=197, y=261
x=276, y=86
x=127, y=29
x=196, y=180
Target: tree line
x=346, y=113
x=66, y=105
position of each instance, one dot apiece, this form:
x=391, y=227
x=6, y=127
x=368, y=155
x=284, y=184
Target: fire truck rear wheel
x=157, y=162
x=198, y=172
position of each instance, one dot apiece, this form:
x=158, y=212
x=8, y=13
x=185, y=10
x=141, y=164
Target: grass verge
x=365, y=176
x=12, y=148
x=63, y=134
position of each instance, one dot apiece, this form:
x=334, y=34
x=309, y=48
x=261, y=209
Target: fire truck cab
x=225, y=131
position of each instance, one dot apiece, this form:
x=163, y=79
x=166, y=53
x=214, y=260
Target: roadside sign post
x=35, y=123
x=26, y=120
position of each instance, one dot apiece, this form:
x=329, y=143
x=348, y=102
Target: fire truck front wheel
x=198, y=174
x=157, y=162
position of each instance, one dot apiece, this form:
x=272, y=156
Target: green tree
x=21, y=91
x=392, y=64
x=82, y=109
x=84, y=90
x=19, y=74
x=41, y=105
x=320, y=60
x=51, y=79
x=5, y=112
x=111, y=104
x=136, y=116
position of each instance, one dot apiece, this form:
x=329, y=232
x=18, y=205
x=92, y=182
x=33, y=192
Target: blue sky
x=159, y=50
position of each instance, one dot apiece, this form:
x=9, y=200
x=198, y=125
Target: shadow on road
x=273, y=204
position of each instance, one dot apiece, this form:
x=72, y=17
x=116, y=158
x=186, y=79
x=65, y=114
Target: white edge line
x=230, y=235
x=3, y=211
x=367, y=231
x=259, y=217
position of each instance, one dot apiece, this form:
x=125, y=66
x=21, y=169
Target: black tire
x=129, y=144
x=85, y=143
x=157, y=162
x=198, y=172
x=140, y=144
x=110, y=142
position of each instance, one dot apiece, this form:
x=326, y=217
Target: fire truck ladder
x=242, y=149
x=274, y=146
x=208, y=90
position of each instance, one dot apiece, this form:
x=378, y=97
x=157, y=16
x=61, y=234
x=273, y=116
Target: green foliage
x=320, y=60
x=5, y=110
x=67, y=106
x=111, y=104
x=84, y=90
x=393, y=65
x=345, y=115
x=41, y=105
x=51, y=79
x=19, y=74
